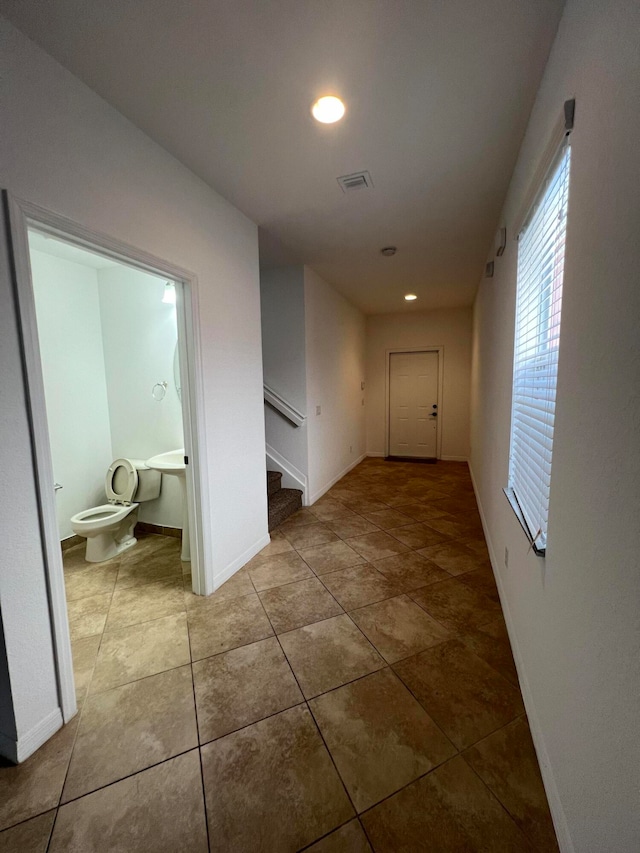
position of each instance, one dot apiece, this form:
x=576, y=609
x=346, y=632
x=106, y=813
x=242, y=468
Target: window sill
x=515, y=506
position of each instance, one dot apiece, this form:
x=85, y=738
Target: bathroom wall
x=106, y=338
x=63, y=148
x=70, y=336
x=139, y=335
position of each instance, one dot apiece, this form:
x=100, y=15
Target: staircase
x=282, y=502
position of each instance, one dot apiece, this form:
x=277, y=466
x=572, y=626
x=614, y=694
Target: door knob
x=434, y=414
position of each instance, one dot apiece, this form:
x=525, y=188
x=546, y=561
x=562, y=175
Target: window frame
x=558, y=157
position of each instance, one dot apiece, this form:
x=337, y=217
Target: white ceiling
x=438, y=93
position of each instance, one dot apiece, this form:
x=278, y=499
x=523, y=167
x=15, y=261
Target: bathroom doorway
x=110, y=358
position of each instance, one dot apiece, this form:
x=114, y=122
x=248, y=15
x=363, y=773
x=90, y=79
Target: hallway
x=353, y=683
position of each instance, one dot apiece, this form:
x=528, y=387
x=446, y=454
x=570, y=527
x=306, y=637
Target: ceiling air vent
x=356, y=181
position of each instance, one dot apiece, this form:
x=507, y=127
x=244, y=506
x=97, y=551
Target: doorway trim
x=387, y=392
x=22, y=215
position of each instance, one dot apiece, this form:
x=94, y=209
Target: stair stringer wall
x=292, y=477
x=284, y=369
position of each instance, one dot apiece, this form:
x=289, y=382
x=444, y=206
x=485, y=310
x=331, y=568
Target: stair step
x=274, y=479
x=282, y=504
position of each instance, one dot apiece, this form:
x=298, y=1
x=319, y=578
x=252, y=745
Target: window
x=537, y=336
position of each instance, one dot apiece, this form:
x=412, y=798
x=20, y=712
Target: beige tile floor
x=351, y=689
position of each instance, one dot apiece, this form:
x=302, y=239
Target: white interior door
x=413, y=404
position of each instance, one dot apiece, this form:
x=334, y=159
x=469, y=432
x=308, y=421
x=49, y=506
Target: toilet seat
x=99, y=517
x=121, y=482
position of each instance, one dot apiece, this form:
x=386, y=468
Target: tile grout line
x=275, y=713
x=306, y=703
x=326, y=835
x=390, y=666
x=198, y=744
x=80, y=710
x=366, y=675
x=112, y=783
x=407, y=593
x=145, y=621
x=486, y=784
x=366, y=834
x=494, y=796
x=435, y=722
x=303, y=701
x=88, y=695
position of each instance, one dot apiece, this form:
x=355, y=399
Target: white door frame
x=22, y=215
x=387, y=392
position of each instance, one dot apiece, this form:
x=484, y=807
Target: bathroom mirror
x=176, y=372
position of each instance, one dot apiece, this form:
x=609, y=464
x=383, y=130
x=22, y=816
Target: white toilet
x=108, y=529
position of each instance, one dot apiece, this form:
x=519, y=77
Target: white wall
x=574, y=618
x=335, y=356
x=283, y=336
x=63, y=148
x=139, y=333
x=70, y=337
x=283, y=354
x=450, y=328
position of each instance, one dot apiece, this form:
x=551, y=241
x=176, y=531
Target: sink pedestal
x=172, y=464
x=185, y=555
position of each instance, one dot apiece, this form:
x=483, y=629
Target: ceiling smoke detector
x=355, y=181
x=389, y=251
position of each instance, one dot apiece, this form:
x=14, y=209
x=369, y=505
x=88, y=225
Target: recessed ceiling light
x=410, y=297
x=328, y=109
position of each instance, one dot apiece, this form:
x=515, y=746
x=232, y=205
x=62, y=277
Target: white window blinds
x=537, y=336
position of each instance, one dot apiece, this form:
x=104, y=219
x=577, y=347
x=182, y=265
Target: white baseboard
x=19, y=750
x=292, y=477
x=326, y=488
x=555, y=805
x=378, y=454
x=240, y=561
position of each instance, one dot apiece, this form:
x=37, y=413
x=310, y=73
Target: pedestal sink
x=172, y=464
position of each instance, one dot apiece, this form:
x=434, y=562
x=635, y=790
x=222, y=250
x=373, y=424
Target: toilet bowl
x=109, y=528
